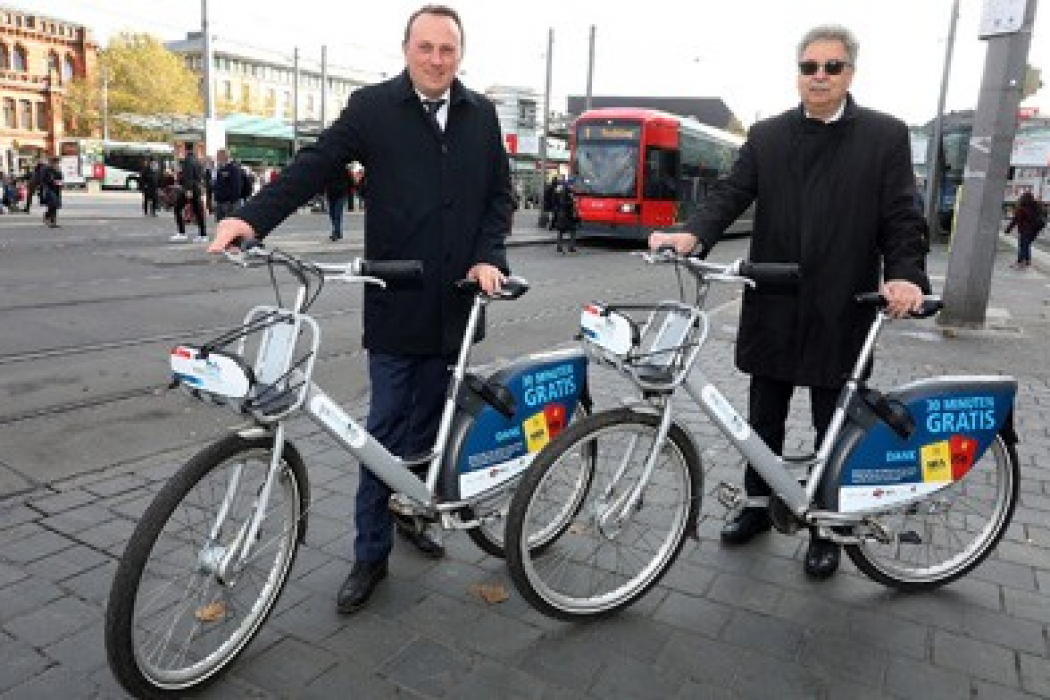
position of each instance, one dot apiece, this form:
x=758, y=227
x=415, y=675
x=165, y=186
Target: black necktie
x=432, y=107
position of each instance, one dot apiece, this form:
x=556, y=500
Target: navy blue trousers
x=408, y=395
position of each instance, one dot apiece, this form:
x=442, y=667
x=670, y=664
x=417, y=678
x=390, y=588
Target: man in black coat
x=229, y=185
x=192, y=181
x=438, y=191
x=834, y=189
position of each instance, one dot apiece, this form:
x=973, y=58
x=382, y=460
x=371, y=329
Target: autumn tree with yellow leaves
x=142, y=78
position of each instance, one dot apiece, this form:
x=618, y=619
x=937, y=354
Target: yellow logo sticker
x=536, y=433
x=937, y=462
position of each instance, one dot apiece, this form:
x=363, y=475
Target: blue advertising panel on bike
x=954, y=423
x=546, y=389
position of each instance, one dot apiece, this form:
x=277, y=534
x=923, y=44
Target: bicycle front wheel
x=184, y=603
x=607, y=545
x=944, y=537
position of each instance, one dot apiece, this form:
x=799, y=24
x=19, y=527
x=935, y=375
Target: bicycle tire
x=938, y=528
x=590, y=550
x=212, y=621
x=490, y=537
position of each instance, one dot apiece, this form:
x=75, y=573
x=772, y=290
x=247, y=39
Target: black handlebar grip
x=393, y=270
x=778, y=275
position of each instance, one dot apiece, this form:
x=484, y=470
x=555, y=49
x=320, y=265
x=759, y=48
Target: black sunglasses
x=832, y=67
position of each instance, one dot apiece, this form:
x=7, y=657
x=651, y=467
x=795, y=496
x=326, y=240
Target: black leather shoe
x=822, y=558
x=415, y=531
x=359, y=585
x=750, y=522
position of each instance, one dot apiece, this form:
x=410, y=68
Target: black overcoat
x=440, y=197
x=839, y=199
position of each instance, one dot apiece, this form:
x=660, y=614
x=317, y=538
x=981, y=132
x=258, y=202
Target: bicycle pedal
x=730, y=496
x=403, y=505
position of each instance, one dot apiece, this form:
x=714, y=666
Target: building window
x=20, y=62
x=52, y=62
x=5, y=57
x=68, y=69
x=227, y=89
x=246, y=97
x=41, y=116
x=9, y=113
x=26, y=116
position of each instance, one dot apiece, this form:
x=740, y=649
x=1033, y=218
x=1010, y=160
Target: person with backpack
x=33, y=184
x=190, y=179
x=1029, y=219
x=51, y=192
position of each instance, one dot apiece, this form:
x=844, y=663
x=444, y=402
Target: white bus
x=113, y=164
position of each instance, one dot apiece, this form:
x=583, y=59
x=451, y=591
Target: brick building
x=39, y=55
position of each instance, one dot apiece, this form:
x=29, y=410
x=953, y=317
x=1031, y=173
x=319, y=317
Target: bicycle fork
x=619, y=507
x=225, y=560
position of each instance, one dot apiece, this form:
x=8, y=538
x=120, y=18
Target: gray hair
x=831, y=32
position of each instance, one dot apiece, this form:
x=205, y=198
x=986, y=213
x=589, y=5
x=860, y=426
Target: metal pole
x=324, y=83
x=208, y=60
x=546, y=127
x=933, y=153
x=590, y=72
x=295, y=101
x=967, y=286
x=105, y=104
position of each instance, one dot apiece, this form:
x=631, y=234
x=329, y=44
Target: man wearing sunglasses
x=834, y=190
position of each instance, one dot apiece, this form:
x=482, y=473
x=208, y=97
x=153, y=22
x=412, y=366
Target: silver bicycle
x=918, y=483
x=212, y=552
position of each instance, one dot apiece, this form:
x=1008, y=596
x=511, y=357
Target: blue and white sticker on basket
x=607, y=329
x=216, y=374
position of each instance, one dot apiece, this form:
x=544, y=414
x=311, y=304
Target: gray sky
x=742, y=51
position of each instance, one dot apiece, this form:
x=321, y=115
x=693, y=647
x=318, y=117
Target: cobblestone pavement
x=723, y=624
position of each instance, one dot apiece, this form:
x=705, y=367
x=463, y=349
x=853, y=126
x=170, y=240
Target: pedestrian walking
x=149, y=185
x=834, y=191
x=337, y=192
x=566, y=217
x=190, y=180
x=51, y=192
x=229, y=185
x=1028, y=218
x=438, y=192
x=33, y=186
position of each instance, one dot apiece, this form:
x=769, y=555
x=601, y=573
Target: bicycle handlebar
x=389, y=270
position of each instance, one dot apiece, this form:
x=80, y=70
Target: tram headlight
x=628, y=208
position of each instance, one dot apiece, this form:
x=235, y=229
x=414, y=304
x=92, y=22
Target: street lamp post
x=546, y=128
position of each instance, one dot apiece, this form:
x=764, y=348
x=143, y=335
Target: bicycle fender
x=956, y=419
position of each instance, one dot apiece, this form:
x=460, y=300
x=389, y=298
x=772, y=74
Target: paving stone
x=287, y=666
x=52, y=621
x=744, y=592
x=68, y=562
x=1035, y=674
x=694, y=614
x=349, y=680
x=764, y=634
x=28, y=594
x=428, y=668
x=911, y=680
x=975, y=658
x=631, y=679
x=53, y=683
x=32, y=544
x=558, y=658
x=21, y=663
x=83, y=651
x=495, y=680
x=57, y=502
x=94, y=584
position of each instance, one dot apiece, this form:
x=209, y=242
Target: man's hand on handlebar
x=488, y=277
x=683, y=243
x=902, y=298
x=229, y=235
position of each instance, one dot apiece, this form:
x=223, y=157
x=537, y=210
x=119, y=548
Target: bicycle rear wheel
x=600, y=557
x=177, y=616
x=947, y=535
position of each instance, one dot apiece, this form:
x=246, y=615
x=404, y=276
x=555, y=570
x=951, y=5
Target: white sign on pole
x=1001, y=17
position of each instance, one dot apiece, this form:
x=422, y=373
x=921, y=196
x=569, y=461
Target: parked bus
x=113, y=164
x=638, y=170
